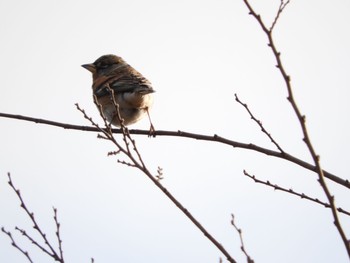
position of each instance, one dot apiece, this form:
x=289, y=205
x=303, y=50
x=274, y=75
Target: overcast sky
x=197, y=54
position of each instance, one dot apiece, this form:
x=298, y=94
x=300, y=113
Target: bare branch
x=13, y=243
x=58, y=225
x=259, y=123
x=301, y=119
x=214, y=138
x=239, y=231
x=130, y=150
x=279, y=12
x=50, y=251
x=34, y=242
x=291, y=191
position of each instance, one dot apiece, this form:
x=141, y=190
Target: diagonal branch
x=13, y=243
x=51, y=251
x=301, y=119
x=136, y=161
x=249, y=259
x=279, y=12
x=291, y=191
x=259, y=123
x=34, y=242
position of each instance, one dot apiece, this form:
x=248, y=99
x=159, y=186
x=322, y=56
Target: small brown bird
x=132, y=91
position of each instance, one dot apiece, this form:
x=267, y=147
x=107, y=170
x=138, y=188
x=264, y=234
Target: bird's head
x=104, y=64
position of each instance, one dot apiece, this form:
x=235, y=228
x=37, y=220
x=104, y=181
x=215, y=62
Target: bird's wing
x=126, y=83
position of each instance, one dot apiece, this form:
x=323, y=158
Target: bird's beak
x=90, y=67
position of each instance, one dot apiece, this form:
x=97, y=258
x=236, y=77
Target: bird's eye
x=102, y=65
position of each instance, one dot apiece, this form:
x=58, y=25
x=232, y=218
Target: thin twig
x=291, y=191
x=302, y=122
x=58, y=225
x=51, y=251
x=259, y=123
x=34, y=242
x=137, y=161
x=239, y=231
x=13, y=243
x=214, y=138
x=279, y=12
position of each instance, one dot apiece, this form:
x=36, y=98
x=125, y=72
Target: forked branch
x=129, y=149
x=301, y=117
x=47, y=248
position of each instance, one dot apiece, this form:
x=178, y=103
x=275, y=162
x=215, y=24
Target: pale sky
x=197, y=54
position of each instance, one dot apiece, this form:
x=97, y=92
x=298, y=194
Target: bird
x=112, y=76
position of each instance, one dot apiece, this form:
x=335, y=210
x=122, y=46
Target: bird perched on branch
x=132, y=92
